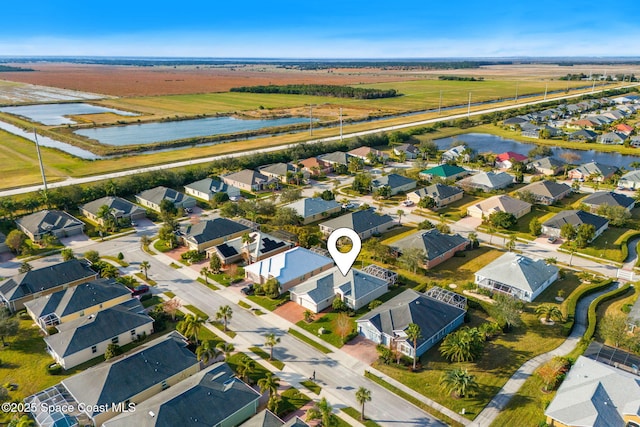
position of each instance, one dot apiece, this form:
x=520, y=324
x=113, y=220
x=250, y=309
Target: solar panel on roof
x=270, y=245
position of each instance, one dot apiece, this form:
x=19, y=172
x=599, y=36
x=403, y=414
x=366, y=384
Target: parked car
x=552, y=239
x=247, y=290
x=140, y=290
x=188, y=210
x=349, y=206
x=407, y=203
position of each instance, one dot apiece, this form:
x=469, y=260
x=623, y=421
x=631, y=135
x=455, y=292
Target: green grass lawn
x=608, y=244
x=458, y=209
x=355, y=414
x=311, y=342
x=170, y=294
x=161, y=246
x=263, y=354
x=311, y=386
x=220, y=327
x=195, y=310
x=260, y=372
x=244, y=305
x=154, y=300
x=208, y=284
x=270, y=303
x=145, y=279
x=292, y=400
x=327, y=322
x=462, y=269
x=527, y=407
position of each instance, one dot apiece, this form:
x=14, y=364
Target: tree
x=506, y=310
x=549, y=311
x=458, y=382
x=343, y=325
x=49, y=240
x=145, y=241
x=92, y=256
x=363, y=395
x=383, y=192
x=464, y=345
x=167, y=210
x=322, y=411
x=362, y=183
x=67, y=254
x=613, y=328
x=338, y=304
x=617, y=215
x=570, y=158
x=414, y=333
x=502, y=219
x=25, y=267
x=511, y=243
x=171, y=307
x=109, y=271
x=526, y=196
x=400, y=212
x=289, y=195
x=145, y=266
x=584, y=234
x=246, y=367
x=226, y=347
x=190, y=326
x=427, y=202
x=428, y=149
x=286, y=216
x=215, y=264
x=355, y=164
x=271, y=287
x=327, y=195
x=112, y=350
x=106, y=216
x=204, y=272
x=167, y=233
x=378, y=251
x=269, y=383
x=568, y=231
x=224, y=313
x=9, y=326
x=535, y=227
x=207, y=351
x=412, y=258
x=271, y=340
x=540, y=151
x=15, y=241
x=552, y=371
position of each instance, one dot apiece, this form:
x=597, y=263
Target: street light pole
x=469, y=106
x=310, y=119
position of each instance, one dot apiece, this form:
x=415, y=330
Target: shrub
x=54, y=369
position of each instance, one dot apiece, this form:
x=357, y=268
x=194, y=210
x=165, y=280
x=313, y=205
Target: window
x=94, y=349
x=133, y=333
x=115, y=340
x=164, y=384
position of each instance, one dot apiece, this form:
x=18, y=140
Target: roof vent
x=228, y=384
x=152, y=414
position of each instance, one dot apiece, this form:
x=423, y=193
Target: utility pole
x=593, y=88
x=340, y=124
x=310, y=119
x=44, y=178
x=440, y=103
x=469, y=106
x=516, y=92
x=545, y=91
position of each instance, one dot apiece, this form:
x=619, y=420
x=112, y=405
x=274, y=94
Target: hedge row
x=624, y=245
x=569, y=305
x=591, y=329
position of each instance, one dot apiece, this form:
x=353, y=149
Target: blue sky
x=327, y=29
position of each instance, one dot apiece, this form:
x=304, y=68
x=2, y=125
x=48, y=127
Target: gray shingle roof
x=594, y=168
x=575, y=218
x=265, y=418
x=88, y=331
x=359, y=221
x=206, y=398
x=595, y=394
x=119, y=380
x=212, y=186
x=47, y=221
x=547, y=163
x=45, y=278
x=355, y=284
x=339, y=157
x=312, y=206
x=393, y=180
x=158, y=194
x=432, y=242
x=205, y=231
x=549, y=189
x=519, y=271
x=279, y=169
x=248, y=177
x=121, y=206
x=632, y=176
x=489, y=180
x=438, y=191
x=407, y=148
x=608, y=198
x=412, y=307
x=77, y=298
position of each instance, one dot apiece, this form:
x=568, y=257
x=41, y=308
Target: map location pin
x=344, y=261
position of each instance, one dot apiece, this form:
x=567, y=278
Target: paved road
x=84, y=180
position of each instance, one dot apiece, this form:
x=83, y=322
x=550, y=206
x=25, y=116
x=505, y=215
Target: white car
x=348, y=206
x=407, y=203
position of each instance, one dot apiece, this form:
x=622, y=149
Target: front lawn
x=270, y=303
x=292, y=400
x=260, y=371
x=462, y=269
x=328, y=322
x=608, y=245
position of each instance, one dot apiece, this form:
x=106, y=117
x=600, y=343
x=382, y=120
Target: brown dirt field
x=153, y=81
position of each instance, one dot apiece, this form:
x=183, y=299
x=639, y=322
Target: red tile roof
x=508, y=155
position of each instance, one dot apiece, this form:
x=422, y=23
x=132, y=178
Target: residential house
x=549, y=166
x=365, y=222
x=583, y=135
x=77, y=301
x=630, y=180
x=455, y=153
x=444, y=171
x=279, y=171
x=585, y=124
x=336, y=158
x=289, y=268
x=258, y=247
x=214, y=396
x=624, y=129
x=634, y=141
x=501, y=203
x=437, y=247
x=410, y=151
x=266, y=418
x=205, y=234
x=356, y=289
x=153, y=198
x=88, y=337
x=592, y=170
x=365, y=153
x=599, y=198
x=611, y=138
x=437, y=312
x=315, y=166
x=123, y=211
x=56, y=223
x=17, y=290
x=487, y=181
x=576, y=218
x=595, y=394
x=115, y=386
x=546, y=192
x=396, y=183
x=513, y=121
x=505, y=160
x=441, y=194
x=207, y=188
x=517, y=275
x=250, y=180
x=314, y=209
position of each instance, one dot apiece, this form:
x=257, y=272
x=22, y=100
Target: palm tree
x=145, y=266
x=204, y=272
x=191, y=325
x=491, y=229
x=549, y=312
x=269, y=383
x=463, y=345
x=206, y=352
x=246, y=367
x=224, y=313
x=511, y=244
x=363, y=395
x=414, y=333
x=226, y=347
x=458, y=382
x=145, y=240
x=400, y=212
x=246, y=241
x=635, y=165
x=321, y=411
x=271, y=341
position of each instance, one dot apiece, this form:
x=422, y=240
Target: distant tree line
x=9, y=68
x=321, y=90
x=461, y=79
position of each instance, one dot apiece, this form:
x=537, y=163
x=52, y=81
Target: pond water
x=148, y=133
x=54, y=114
x=482, y=143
